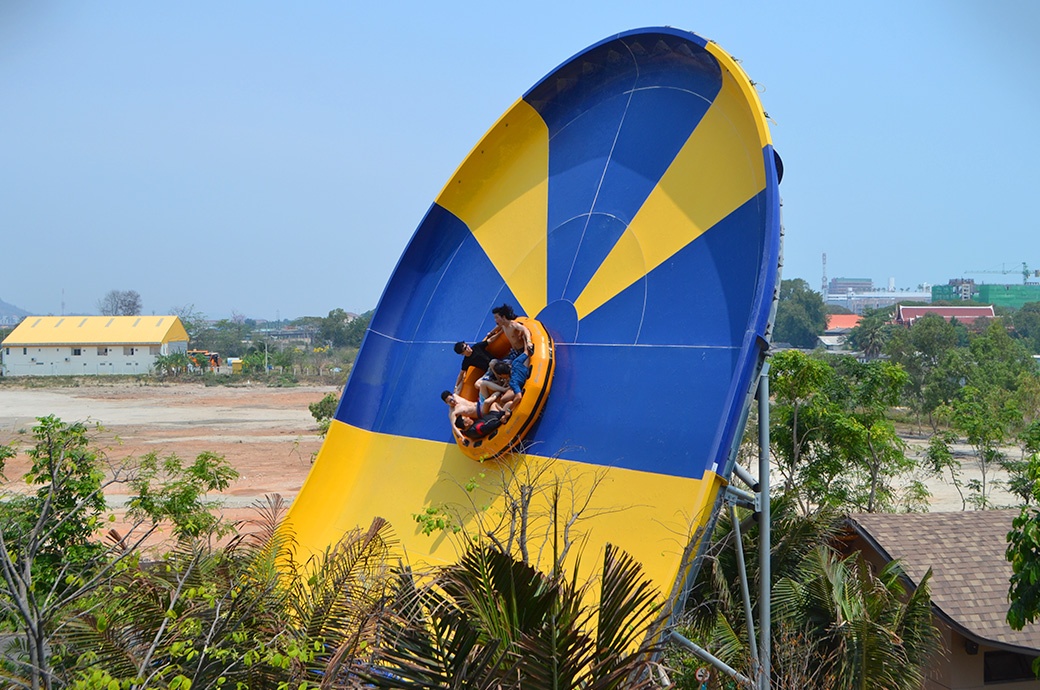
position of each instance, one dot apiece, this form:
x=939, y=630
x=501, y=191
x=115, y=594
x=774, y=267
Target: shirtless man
x=522, y=348
x=460, y=408
x=518, y=335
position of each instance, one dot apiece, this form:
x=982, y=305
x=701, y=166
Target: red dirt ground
x=267, y=434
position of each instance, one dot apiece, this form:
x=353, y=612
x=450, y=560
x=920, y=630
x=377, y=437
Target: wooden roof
x=970, y=575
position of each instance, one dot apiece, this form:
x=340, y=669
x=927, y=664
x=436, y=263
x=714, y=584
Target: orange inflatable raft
x=510, y=435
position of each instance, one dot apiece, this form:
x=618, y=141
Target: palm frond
x=627, y=617
x=507, y=596
x=344, y=584
x=560, y=652
x=426, y=641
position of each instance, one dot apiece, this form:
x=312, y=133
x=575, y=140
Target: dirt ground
x=267, y=434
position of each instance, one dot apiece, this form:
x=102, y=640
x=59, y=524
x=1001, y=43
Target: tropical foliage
x=800, y=315
x=836, y=623
x=245, y=615
x=491, y=621
x=832, y=440
x=872, y=630
x=245, y=612
x=51, y=556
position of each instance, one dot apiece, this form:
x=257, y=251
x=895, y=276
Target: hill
x=10, y=314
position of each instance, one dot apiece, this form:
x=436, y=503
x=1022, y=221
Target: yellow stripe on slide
x=501, y=193
x=690, y=198
x=359, y=475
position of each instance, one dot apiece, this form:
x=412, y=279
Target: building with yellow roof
x=89, y=345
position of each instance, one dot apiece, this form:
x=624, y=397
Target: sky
x=272, y=160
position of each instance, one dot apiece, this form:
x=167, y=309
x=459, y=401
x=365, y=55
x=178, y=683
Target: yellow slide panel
x=338, y=496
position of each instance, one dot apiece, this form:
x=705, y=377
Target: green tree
x=867, y=440
x=172, y=365
x=1001, y=361
x=340, y=329
x=986, y=421
x=323, y=411
x=1027, y=326
x=800, y=412
x=920, y=350
x=50, y=554
x=800, y=314
x=943, y=383
x=1020, y=481
x=835, y=624
x=229, y=337
x=940, y=460
x=831, y=438
x=873, y=332
x=878, y=633
x=1023, y=550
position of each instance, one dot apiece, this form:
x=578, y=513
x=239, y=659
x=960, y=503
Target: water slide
x=629, y=202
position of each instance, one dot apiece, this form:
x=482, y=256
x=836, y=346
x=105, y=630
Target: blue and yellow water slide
x=629, y=202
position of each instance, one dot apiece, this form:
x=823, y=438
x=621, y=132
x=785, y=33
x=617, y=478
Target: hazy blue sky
x=273, y=159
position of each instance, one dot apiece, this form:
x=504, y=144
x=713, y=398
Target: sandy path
x=267, y=434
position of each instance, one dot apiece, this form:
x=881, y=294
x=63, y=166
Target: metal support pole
x=765, y=539
x=744, y=498
x=744, y=589
x=707, y=656
x=745, y=477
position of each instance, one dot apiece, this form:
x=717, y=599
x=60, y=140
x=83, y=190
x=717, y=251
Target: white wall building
x=90, y=345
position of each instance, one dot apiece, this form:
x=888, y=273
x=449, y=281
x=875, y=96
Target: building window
x=102, y=351
x=1001, y=667
x=154, y=349
x=25, y=350
x=128, y=350
x=77, y=351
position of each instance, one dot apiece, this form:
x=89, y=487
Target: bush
x=323, y=411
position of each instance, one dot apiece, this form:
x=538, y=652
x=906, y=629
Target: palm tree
x=879, y=634
x=836, y=625
x=493, y=621
x=872, y=333
x=246, y=613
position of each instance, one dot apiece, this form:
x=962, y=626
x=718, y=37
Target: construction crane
x=1026, y=273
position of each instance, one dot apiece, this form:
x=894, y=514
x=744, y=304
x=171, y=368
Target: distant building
x=1009, y=296
x=838, y=328
x=841, y=286
x=842, y=323
x=303, y=335
x=90, y=345
x=957, y=290
x=907, y=315
x=860, y=302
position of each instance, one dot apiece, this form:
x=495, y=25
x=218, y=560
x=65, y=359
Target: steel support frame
x=761, y=654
